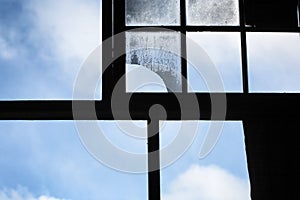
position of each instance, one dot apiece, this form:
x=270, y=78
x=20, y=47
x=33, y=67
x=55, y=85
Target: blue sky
x=42, y=46
x=274, y=62
x=47, y=159
x=200, y=178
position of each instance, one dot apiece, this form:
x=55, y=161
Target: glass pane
x=153, y=62
x=154, y=12
x=220, y=59
x=212, y=12
x=46, y=160
x=43, y=44
x=222, y=174
x=274, y=62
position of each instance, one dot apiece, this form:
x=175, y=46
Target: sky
x=42, y=46
x=52, y=39
x=280, y=53
x=46, y=160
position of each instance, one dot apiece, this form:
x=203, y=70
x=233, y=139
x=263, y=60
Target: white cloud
x=65, y=32
x=70, y=28
x=21, y=193
x=9, y=48
x=207, y=183
x=5, y=51
x=70, y=31
x=59, y=36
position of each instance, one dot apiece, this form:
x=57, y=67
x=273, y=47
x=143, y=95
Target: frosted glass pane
x=153, y=63
x=274, y=62
x=222, y=174
x=154, y=12
x=212, y=12
x=224, y=54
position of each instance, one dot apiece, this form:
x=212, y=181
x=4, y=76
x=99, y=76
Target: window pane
x=212, y=12
x=274, y=62
x=222, y=174
x=223, y=62
x=154, y=12
x=44, y=159
x=153, y=63
x=42, y=46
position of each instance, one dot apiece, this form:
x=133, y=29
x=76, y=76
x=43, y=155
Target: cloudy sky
x=47, y=161
x=42, y=46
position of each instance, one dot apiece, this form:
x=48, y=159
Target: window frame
x=240, y=106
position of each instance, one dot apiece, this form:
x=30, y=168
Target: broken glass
x=158, y=55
